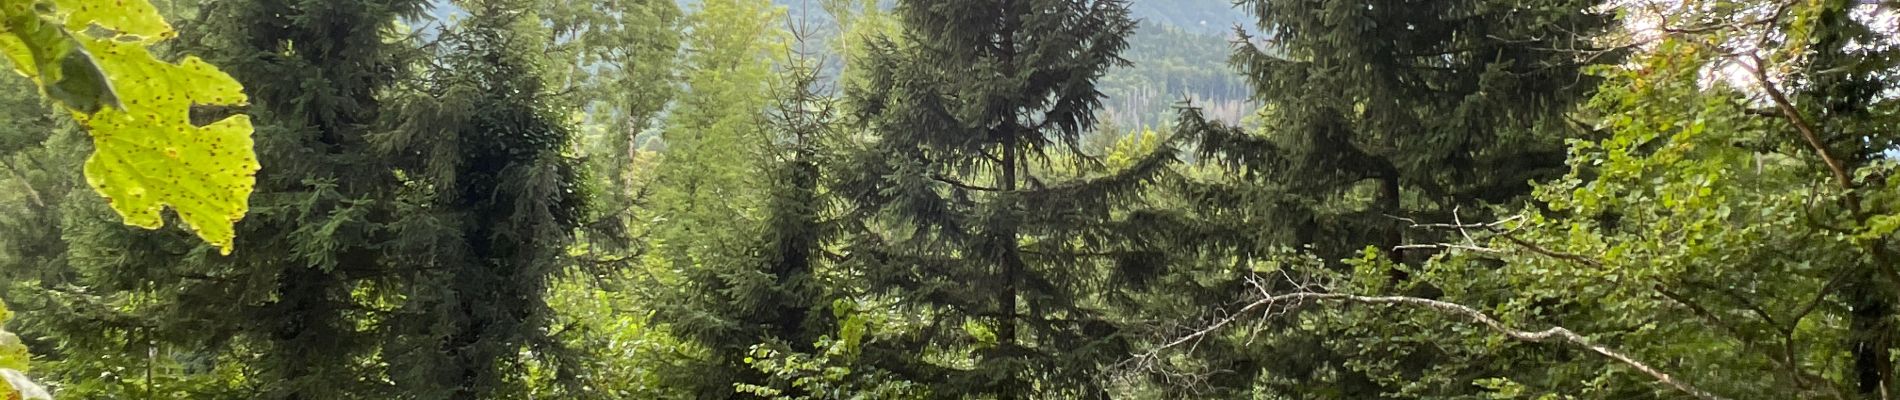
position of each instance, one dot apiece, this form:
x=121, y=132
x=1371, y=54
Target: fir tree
x=973, y=107
x=36, y=179
x=1413, y=108
x=491, y=200
x=722, y=228
x=282, y=312
x=1377, y=112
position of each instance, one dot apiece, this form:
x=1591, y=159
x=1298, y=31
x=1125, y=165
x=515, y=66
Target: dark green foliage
x=614, y=199
x=283, y=308
x=1377, y=111
x=724, y=237
x=330, y=297
x=967, y=105
x=1848, y=97
x=315, y=75
x=36, y=183
x=491, y=201
x=774, y=296
x=1425, y=106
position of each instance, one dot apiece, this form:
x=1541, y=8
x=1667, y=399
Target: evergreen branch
x=1095, y=189
x=960, y=184
x=30, y=192
x=1555, y=334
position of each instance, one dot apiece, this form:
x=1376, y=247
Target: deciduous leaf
x=148, y=153
x=131, y=20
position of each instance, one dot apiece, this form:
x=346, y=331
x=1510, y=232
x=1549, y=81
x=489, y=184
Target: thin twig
x=30, y=192
x=1435, y=246
x=1808, y=132
x=1554, y=334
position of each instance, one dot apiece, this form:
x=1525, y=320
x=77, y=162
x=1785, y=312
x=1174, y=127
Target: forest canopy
x=949, y=199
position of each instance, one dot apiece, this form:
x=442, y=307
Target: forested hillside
x=1168, y=56
x=949, y=199
x=1218, y=17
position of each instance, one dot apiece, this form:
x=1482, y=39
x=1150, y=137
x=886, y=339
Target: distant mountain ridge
x=1199, y=16
x=1178, y=52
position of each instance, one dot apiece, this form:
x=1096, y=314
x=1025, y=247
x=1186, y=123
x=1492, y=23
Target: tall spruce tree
x=491, y=199
x=41, y=153
x=281, y=316
x=1413, y=109
x=1376, y=111
x=37, y=177
x=971, y=108
x=712, y=201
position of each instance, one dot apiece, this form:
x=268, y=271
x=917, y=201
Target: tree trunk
x=1870, y=339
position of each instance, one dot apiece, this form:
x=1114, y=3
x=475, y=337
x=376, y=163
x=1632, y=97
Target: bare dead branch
x=1466, y=233
x=1454, y=246
x=30, y=192
x=1801, y=124
x=1559, y=334
x=1486, y=225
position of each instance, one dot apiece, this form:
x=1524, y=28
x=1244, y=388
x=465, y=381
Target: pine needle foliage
x=284, y=319
x=492, y=196
x=719, y=216
x=1373, y=113
x=1414, y=108
x=972, y=108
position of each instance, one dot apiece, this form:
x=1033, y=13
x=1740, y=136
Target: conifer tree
x=36, y=179
x=962, y=220
x=719, y=217
x=491, y=200
x=282, y=314
x=1377, y=112
x=1413, y=108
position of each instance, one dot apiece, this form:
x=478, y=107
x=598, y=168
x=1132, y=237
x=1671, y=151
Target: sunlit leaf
x=137, y=18
x=148, y=154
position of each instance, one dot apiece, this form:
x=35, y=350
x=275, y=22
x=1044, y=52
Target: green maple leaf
x=148, y=155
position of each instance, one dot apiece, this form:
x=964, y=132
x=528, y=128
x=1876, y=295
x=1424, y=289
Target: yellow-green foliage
x=92, y=56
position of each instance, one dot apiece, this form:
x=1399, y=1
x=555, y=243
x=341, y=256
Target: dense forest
x=949, y=199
